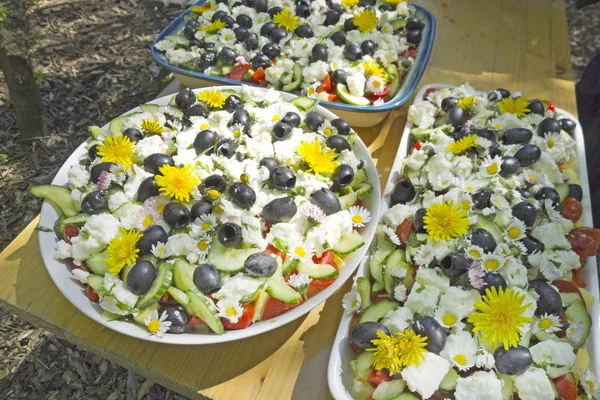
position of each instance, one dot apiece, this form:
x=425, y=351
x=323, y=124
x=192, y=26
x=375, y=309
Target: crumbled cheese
x=555, y=357
x=423, y=299
x=238, y=287
x=398, y=320
x=479, y=386
x=63, y=250
x=102, y=227
x=78, y=176
x=426, y=377
x=80, y=275
x=422, y=114
x=534, y=384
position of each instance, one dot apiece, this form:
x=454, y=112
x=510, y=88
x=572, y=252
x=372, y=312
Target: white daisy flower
x=397, y=271
x=203, y=224
x=302, y=251
x=157, y=202
x=146, y=217
x=160, y=250
x=360, y=216
x=475, y=252
x=502, y=249
x=491, y=166
x=532, y=176
x=157, y=326
x=313, y=212
x=575, y=331
x=300, y=282
x=227, y=36
x=552, y=212
x=589, y=382
x=375, y=84
x=476, y=276
x=230, y=309
x=533, y=119
x=400, y=293
x=391, y=234
x=552, y=140
x=204, y=242
x=199, y=123
x=547, y=323
x=483, y=142
x=105, y=179
x=237, y=130
x=499, y=202
x=484, y=359
x=387, y=28
x=351, y=301
x=492, y=262
x=119, y=174
x=515, y=230
x=327, y=129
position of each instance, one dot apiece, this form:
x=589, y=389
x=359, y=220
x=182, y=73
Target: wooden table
x=518, y=45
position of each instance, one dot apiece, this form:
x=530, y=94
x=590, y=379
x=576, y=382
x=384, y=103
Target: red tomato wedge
x=91, y=295
x=244, y=321
x=418, y=146
x=584, y=241
x=332, y=97
x=413, y=53
x=325, y=85
x=319, y=284
x=571, y=209
x=565, y=387
x=384, y=92
x=567, y=287
x=70, y=231
x=258, y=75
x=550, y=106
x=578, y=278
x=239, y=71
x=377, y=377
x=274, y=251
x=404, y=229
x=429, y=90
x=193, y=320
x=276, y=307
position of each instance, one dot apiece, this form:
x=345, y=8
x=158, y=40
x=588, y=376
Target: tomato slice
x=263, y=83
x=418, y=146
x=91, y=295
x=413, y=53
x=69, y=232
x=578, y=278
x=244, y=321
x=584, y=241
x=404, y=229
x=384, y=92
x=276, y=307
x=429, y=90
x=377, y=377
x=326, y=84
x=326, y=258
x=567, y=287
x=193, y=320
x=332, y=97
x=258, y=75
x=571, y=209
x=550, y=106
x=274, y=251
x=239, y=71
x=565, y=387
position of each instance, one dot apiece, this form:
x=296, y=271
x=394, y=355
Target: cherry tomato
x=377, y=377
x=565, y=387
x=325, y=85
x=258, y=75
x=550, y=106
x=326, y=258
x=418, y=146
x=319, y=284
x=404, y=229
x=239, y=71
x=584, y=241
x=383, y=93
x=413, y=53
x=429, y=90
x=571, y=209
x=167, y=299
x=578, y=278
x=274, y=251
x=332, y=97
x=244, y=321
x=69, y=232
x=276, y=307
x=193, y=320
x=567, y=287
x=263, y=83
x=91, y=295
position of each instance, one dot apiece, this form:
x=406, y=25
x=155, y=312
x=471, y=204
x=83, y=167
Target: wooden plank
x=505, y=43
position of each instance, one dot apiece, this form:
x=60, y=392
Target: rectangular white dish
x=340, y=375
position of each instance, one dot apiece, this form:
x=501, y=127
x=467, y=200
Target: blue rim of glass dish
x=408, y=86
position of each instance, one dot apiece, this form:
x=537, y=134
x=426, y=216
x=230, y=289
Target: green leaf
x=43, y=229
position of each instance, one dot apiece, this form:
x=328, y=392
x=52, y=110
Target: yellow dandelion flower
x=349, y=3
x=365, y=20
x=516, y=106
x=286, y=20
x=117, y=149
x=213, y=27
x=177, y=183
x=500, y=317
x=466, y=102
x=212, y=98
x=320, y=159
x=463, y=144
x=398, y=351
x=444, y=221
x=122, y=250
x=152, y=127
x=372, y=68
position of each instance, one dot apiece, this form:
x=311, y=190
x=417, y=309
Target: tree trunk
x=24, y=94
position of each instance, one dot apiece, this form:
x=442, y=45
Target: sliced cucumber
x=377, y=259
x=225, y=69
x=97, y=264
x=289, y=265
x=406, y=396
x=395, y=80
x=578, y=313
x=349, y=243
x=96, y=132
x=296, y=80
x=389, y=390
x=59, y=227
x=108, y=316
x=363, y=365
x=178, y=295
x=58, y=195
x=360, y=177
x=116, y=125
x=177, y=39
x=377, y=287
x=183, y=275
x=449, y=381
x=363, y=287
x=149, y=108
x=563, y=191
x=348, y=200
x=317, y=271
x=303, y=103
x=128, y=211
x=377, y=311
x=203, y=308
x=388, y=280
x=96, y=282
x=345, y=95
x=164, y=278
x=228, y=260
x=140, y=318
x=491, y=227
x=277, y=288
x=260, y=305
x=78, y=219
x=363, y=190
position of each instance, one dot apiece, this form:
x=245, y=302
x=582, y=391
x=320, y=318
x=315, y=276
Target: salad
x=350, y=51
x=474, y=287
x=219, y=210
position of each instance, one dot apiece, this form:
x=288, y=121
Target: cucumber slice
x=360, y=177
x=277, y=288
x=97, y=264
x=58, y=195
x=346, y=189
x=164, y=278
x=349, y=244
x=363, y=287
x=348, y=200
x=388, y=280
x=116, y=125
x=449, y=381
x=491, y=227
x=172, y=102
x=363, y=190
x=377, y=259
x=128, y=210
x=563, y=191
x=395, y=79
x=78, y=219
x=108, y=316
x=96, y=282
x=183, y=275
x=577, y=312
x=345, y=95
x=95, y=132
x=376, y=311
x=177, y=39
x=376, y=287
x=150, y=108
x=389, y=390
x=304, y=103
x=228, y=260
x=289, y=265
x=507, y=385
x=203, y=308
x=406, y=396
x=59, y=227
x=178, y=295
x=260, y=305
x=296, y=80
x=225, y=69
x=363, y=365
x=140, y=318
x=420, y=134
x=317, y=271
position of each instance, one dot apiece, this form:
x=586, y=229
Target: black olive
x=93, y=152
x=304, y=31
x=342, y=126
x=141, y=277
x=242, y=194
x=368, y=47
x=326, y=200
x=532, y=245
x=418, y=222
x=548, y=125
x=260, y=61
x=282, y=178
x=363, y=334
x=414, y=36
x=267, y=28
x=493, y=279
x=230, y=234
x=513, y=361
x=185, y=99
x=260, y=265
x=196, y=110
x=456, y=264
x=349, y=25
x=528, y=155
x=244, y=21
x=331, y=18
x=133, y=134
x=151, y=236
x=482, y=238
x=404, y=192
x=567, y=125
x=338, y=38
x=292, y=119
x=94, y=202
x=240, y=33
x=207, y=59
x=436, y=335
x=456, y=116
x=343, y=175
x=549, y=301
x=339, y=76
x=155, y=161
x=303, y=11
x=207, y=278
x=148, y=188
x=216, y=182
x=525, y=212
x=314, y=120
x=319, y=53
x=251, y=42
x=227, y=56
x=338, y=143
x=277, y=35
x=274, y=11
x=271, y=50
x=536, y=107
x=282, y=209
x=176, y=315
x=98, y=169
x=575, y=191
x=269, y=163
x=205, y=142
x=413, y=23
x=177, y=215
x=226, y=148
x=517, y=136
x=352, y=52
x=201, y=207
x=233, y=103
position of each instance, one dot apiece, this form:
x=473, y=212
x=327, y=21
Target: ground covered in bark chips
x=96, y=64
